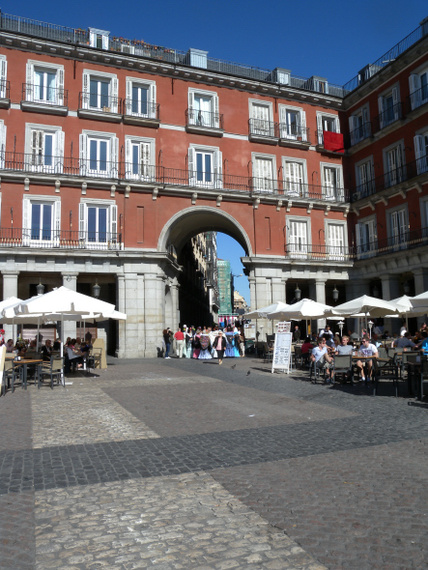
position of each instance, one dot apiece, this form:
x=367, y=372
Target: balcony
x=417, y=98
x=44, y=99
x=388, y=117
x=4, y=94
x=46, y=238
x=319, y=253
x=294, y=136
x=204, y=122
x=332, y=148
x=263, y=131
x=362, y=132
x=100, y=107
x=405, y=241
x=144, y=115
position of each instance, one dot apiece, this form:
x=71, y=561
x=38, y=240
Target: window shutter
x=128, y=100
x=218, y=169
x=128, y=158
x=3, y=77
x=352, y=128
x=114, y=95
x=30, y=82
x=145, y=150
x=82, y=221
x=59, y=151
x=114, y=157
x=380, y=106
x=83, y=143
x=57, y=220
x=395, y=101
x=60, y=87
x=192, y=167
x=113, y=223
x=415, y=94
x=216, y=116
x=320, y=129
x=152, y=101
x=85, y=90
x=302, y=116
x=191, y=116
x=421, y=158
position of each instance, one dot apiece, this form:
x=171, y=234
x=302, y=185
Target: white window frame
x=112, y=154
x=31, y=95
x=398, y=226
x=111, y=223
x=394, y=166
x=418, y=87
x=336, y=239
x=144, y=170
x=364, y=176
x=95, y=34
x=366, y=237
x=295, y=183
x=35, y=158
x=150, y=86
x=261, y=126
x=263, y=183
x=113, y=90
x=3, y=77
x=216, y=167
x=28, y=238
x=203, y=117
x=285, y=128
x=329, y=191
x=359, y=124
x=420, y=141
x=321, y=118
x=392, y=92
x=298, y=242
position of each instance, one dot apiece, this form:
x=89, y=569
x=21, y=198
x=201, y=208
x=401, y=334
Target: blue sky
x=332, y=39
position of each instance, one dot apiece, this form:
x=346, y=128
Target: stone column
x=10, y=289
x=69, y=280
x=320, y=298
x=355, y=288
x=121, y=306
x=391, y=290
x=154, y=304
x=278, y=294
x=420, y=276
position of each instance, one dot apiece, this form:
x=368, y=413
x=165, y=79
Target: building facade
x=116, y=153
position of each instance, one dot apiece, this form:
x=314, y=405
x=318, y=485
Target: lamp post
x=297, y=293
x=335, y=294
x=370, y=323
x=341, y=325
x=96, y=290
x=40, y=288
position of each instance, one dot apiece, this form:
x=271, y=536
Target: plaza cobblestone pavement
x=182, y=464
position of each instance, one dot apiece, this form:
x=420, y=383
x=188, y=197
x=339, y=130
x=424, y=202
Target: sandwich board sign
x=282, y=348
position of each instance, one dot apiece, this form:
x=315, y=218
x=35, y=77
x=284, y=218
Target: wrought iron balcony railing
x=361, y=133
x=404, y=240
x=98, y=102
x=417, y=98
x=47, y=238
x=207, y=119
x=293, y=133
x=322, y=252
x=263, y=129
x=44, y=94
x=97, y=167
x=387, y=117
x=139, y=109
x=4, y=89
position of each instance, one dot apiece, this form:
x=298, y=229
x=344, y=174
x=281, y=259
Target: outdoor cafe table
x=25, y=362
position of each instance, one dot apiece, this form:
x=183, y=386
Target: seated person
x=74, y=355
x=344, y=347
x=10, y=347
x=32, y=351
x=423, y=345
x=307, y=346
x=321, y=359
x=404, y=341
x=366, y=349
x=47, y=350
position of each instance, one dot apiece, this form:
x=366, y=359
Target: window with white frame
x=41, y=220
x=98, y=222
x=292, y=123
x=203, y=108
x=418, y=82
x=100, y=91
x=389, y=106
x=332, y=182
x=295, y=179
x=3, y=77
x=98, y=38
x=398, y=227
x=421, y=151
x=326, y=122
x=99, y=154
x=359, y=125
x=366, y=237
x=261, y=119
x=140, y=98
x=336, y=240
x=364, y=174
x=44, y=148
x=394, y=164
x=264, y=172
x=297, y=239
x=139, y=158
x=45, y=83
x=205, y=166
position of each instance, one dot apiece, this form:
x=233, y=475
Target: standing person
x=167, y=342
x=296, y=334
x=188, y=337
x=220, y=346
x=179, y=343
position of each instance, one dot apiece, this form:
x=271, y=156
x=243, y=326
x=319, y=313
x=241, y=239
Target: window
x=44, y=148
x=421, y=152
x=3, y=77
x=336, y=241
x=366, y=237
x=100, y=92
x=326, y=122
x=2, y=144
x=98, y=222
x=261, y=119
x=398, y=228
x=264, y=169
x=332, y=185
x=205, y=167
x=364, y=171
x=294, y=177
x=292, y=123
x=297, y=243
x=203, y=109
x=41, y=220
x=418, y=88
x=98, y=38
x=359, y=125
x=394, y=164
x=45, y=83
x=140, y=98
x=389, y=107
x=98, y=154
x=140, y=158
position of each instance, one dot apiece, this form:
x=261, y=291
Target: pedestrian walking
x=220, y=346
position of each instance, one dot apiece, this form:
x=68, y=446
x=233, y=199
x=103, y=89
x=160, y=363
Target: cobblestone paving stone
x=184, y=464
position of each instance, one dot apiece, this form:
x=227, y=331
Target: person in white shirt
x=322, y=359
x=366, y=349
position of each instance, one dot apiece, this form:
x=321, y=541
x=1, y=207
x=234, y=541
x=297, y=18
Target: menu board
x=282, y=348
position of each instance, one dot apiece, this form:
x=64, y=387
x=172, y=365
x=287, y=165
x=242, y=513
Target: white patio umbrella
x=263, y=311
x=420, y=302
x=303, y=309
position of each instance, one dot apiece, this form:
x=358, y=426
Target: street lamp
x=96, y=290
x=335, y=294
x=341, y=325
x=297, y=293
x=370, y=323
x=40, y=288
